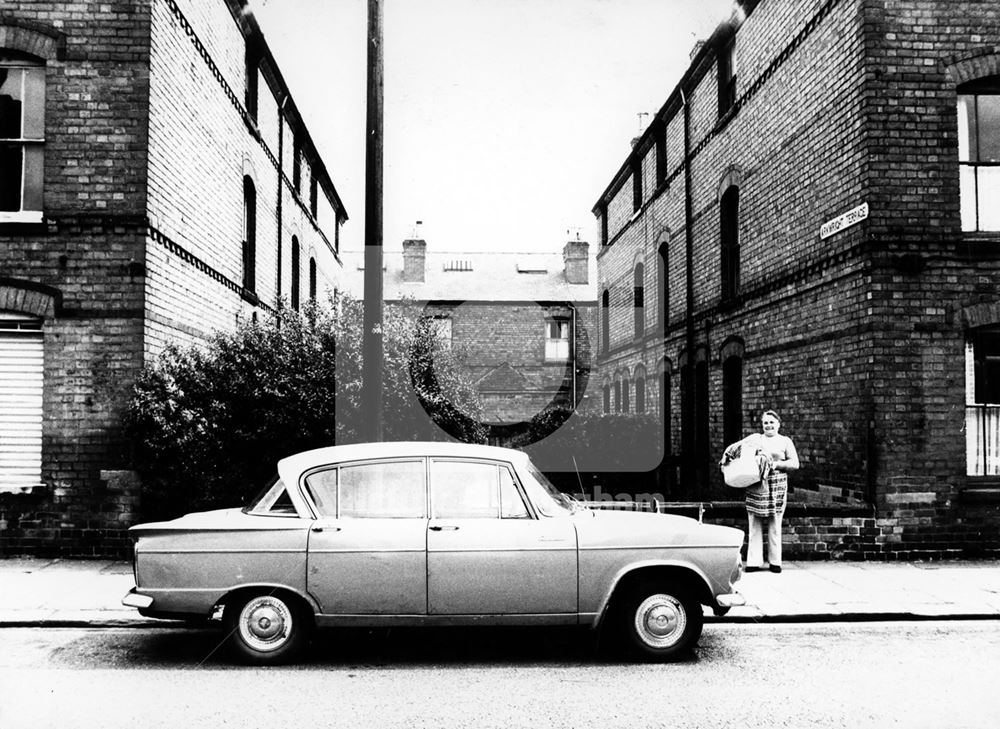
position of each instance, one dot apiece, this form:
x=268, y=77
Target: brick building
x=811, y=223
x=156, y=183
x=520, y=323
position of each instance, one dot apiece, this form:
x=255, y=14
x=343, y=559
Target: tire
x=660, y=622
x=266, y=628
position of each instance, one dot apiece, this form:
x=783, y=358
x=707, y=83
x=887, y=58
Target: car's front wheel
x=266, y=629
x=661, y=622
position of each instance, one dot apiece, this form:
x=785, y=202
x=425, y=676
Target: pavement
x=40, y=592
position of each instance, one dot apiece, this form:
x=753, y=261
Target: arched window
x=605, y=321
x=666, y=410
x=607, y=398
x=732, y=398
x=296, y=273
x=979, y=153
x=312, y=279
x=618, y=396
x=625, y=395
x=640, y=393
x=638, y=294
x=22, y=137
x=249, y=234
x=663, y=285
x=729, y=216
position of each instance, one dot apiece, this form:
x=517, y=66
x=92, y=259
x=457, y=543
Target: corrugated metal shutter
x=20, y=408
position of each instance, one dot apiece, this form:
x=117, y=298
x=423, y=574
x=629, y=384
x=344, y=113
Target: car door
x=367, y=549
x=487, y=553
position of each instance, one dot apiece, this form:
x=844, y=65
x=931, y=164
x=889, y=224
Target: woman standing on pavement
x=765, y=501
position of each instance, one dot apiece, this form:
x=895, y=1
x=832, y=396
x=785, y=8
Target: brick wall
x=858, y=338
x=146, y=145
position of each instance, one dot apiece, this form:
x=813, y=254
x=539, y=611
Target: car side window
x=273, y=501
x=474, y=490
x=511, y=503
x=382, y=490
x=321, y=487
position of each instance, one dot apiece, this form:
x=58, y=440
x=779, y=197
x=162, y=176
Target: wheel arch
x=303, y=601
x=683, y=575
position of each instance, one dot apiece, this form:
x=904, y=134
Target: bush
x=208, y=423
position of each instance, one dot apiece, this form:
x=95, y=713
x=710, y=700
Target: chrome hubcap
x=265, y=623
x=660, y=621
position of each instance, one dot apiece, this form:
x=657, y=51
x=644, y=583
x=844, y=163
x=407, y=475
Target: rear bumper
x=134, y=599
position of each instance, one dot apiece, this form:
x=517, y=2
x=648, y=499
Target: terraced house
x=811, y=223
x=156, y=183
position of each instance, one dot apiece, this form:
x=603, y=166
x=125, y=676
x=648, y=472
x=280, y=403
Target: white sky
x=504, y=120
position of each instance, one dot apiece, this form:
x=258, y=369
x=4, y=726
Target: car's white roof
x=393, y=449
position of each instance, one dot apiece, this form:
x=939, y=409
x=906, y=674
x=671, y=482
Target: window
x=730, y=237
x=618, y=396
x=249, y=234
x=982, y=402
x=296, y=273
x=732, y=399
x=727, y=78
x=440, y=330
x=469, y=490
x=660, y=132
x=663, y=285
x=625, y=396
x=979, y=154
x=638, y=295
x=702, y=447
x=557, y=340
x=665, y=410
x=607, y=399
x=636, y=184
x=312, y=279
x=389, y=490
x=604, y=225
x=296, y=163
x=252, y=60
x=640, y=394
x=321, y=488
x=273, y=500
x=21, y=381
x=313, y=195
x=22, y=139
x=605, y=321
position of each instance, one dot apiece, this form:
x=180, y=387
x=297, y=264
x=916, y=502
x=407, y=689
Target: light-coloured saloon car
x=387, y=534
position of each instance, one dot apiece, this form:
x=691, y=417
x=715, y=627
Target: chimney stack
x=576, y=263
x=414, y=253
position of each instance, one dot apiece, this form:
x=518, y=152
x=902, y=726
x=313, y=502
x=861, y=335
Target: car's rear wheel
x=661, y=622
x=266, y=628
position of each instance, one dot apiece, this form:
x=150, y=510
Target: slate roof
x=476, y=276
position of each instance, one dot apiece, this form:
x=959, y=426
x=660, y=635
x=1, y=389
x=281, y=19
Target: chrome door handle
x=444, y=528
x=322, y=528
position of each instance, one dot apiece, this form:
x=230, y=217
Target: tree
x=209, y=422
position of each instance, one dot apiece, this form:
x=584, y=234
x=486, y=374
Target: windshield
x=549, y=500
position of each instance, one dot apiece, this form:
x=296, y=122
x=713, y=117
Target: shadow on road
x=343, y=648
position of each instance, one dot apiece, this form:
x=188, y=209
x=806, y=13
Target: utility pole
x=372, y=353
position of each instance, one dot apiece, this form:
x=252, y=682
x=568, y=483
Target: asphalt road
x=928, y=674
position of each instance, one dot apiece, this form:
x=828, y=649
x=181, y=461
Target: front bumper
x=731, y=599
x=134, y=599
